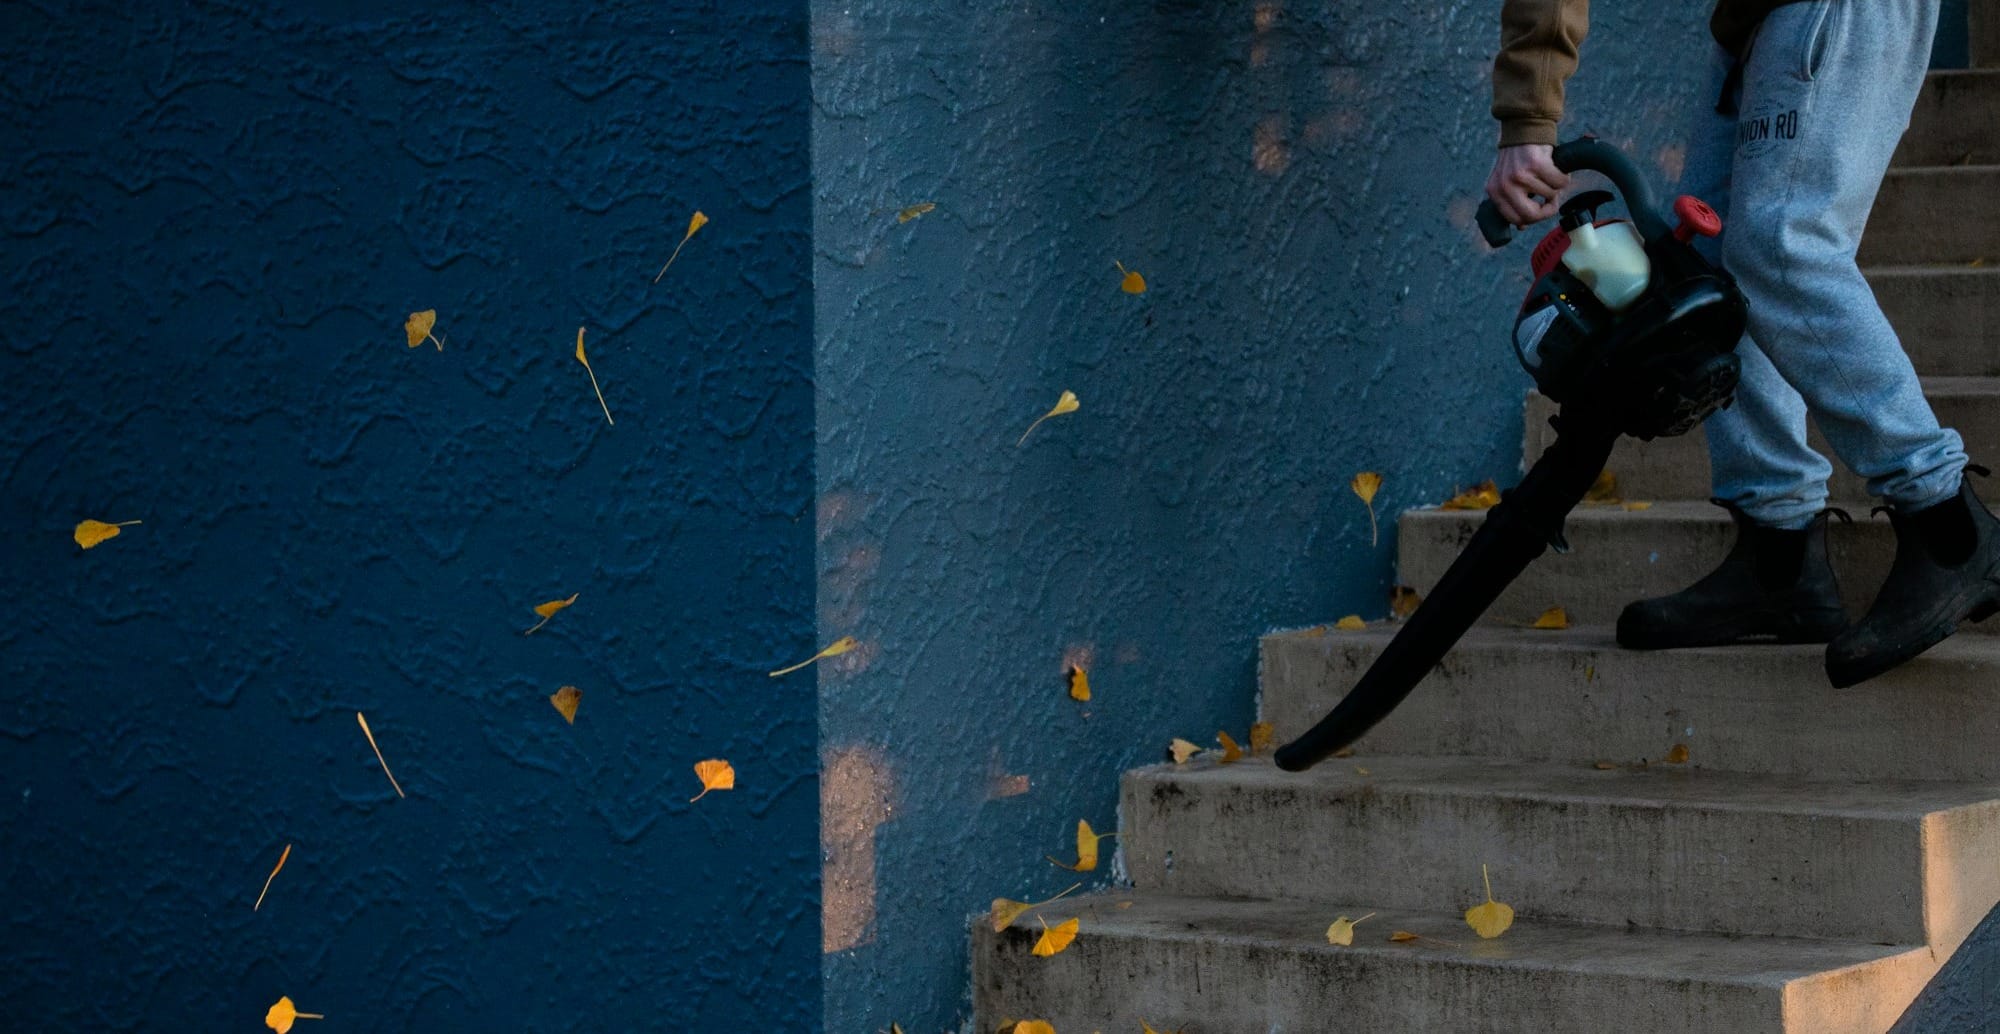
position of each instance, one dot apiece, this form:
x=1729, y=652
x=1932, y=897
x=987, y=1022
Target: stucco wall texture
x=1295, y=179
x=216, y=217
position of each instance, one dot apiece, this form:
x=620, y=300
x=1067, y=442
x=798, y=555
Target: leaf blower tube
x=1630, y=331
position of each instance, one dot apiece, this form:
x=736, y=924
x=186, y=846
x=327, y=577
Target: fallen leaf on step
x=1029, y=1027
x=581, y=358
x=715, y=774
x=1079, y=683
x=1261, y=734
x=1351, y=623
x=907, y=214
x=417, y=329
x=1554, y=617
x=565, y=700
x=1402, y=937
x=1604, y=489
x=1182, y=750
x=1342, y=930
x=1055, y=938
x=1065, y=403
x=1635, y=505
x=1086, y=848
x=1358, y=770
x=545, y=611
x=695, y=223
x=90, y=534
x=1230, y=751
x=1605, y=766
x=840, y=646
x=1365, y=485
x=1006, y=910
x=282, y=1015
x=1132, y=283
x=1677, y=754
x=1404, y=601
x=1491, y=919
x=1344, y=752
x=1484, y=497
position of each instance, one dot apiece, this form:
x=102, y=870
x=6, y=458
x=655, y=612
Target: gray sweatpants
x=1825, y=96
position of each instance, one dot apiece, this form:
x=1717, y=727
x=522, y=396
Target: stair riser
x=1983, y=23
x=1677, y=468
x=1765, y=710
x=1934, y=216
x=1206, y=985
x=1953, y=119
x=1609, y=861
x=1948, y=319
x=1635, y=556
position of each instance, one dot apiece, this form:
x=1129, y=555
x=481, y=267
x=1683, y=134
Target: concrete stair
x=1806, y=868
x=1213, y=965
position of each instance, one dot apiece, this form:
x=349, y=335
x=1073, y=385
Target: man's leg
x=1776, y=582
x=1827, y=93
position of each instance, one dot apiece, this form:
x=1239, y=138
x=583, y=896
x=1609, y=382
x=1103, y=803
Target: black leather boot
x=1947, y=570
x=1775, y=585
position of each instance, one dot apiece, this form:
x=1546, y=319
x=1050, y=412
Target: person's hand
x=1525, y=183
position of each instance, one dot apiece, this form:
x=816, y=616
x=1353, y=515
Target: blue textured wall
x=1296, y=181
x=216, y=217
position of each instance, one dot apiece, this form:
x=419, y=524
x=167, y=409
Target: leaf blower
x=1630, y=331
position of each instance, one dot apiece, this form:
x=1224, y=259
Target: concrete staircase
x=1807, y=868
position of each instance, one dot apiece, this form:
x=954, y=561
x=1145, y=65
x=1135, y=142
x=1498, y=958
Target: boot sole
x=1758, y=629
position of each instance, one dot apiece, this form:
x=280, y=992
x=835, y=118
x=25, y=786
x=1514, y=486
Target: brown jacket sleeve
x=1539, y=40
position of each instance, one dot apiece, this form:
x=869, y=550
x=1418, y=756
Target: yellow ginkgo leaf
x=1636, y=504
x=282, y=1015
x=545, y=611
x=715, y=774
x=1404, y=601
x=1604, y=489
x=1484, y=497
x=418, y=328
x=1554, y=617
x=1066, y=403
x=593, y=378
x=695, y=223
x=286, y=853
x=1182, y=750
x=1086, y=848
x=370, y=733
x=92, y=533
x=1032, y=1027
x=840, y=646
x=1365, y=485
x=1491, y=919
x=565, y=700
x=1351, y=623
x=1230, y=751
x=914, y=211
x=1055, y=938
x=1079, y=683
x=1402, y=937
x=1132, y=283
x=1006, y=910
x=1677, y=754
x=1342, y=930
x=1260, y=737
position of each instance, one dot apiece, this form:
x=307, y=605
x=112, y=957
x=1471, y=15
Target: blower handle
x=1588, y=152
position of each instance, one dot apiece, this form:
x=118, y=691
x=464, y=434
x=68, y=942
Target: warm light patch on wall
x=856, y=791
x=1269, y=150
